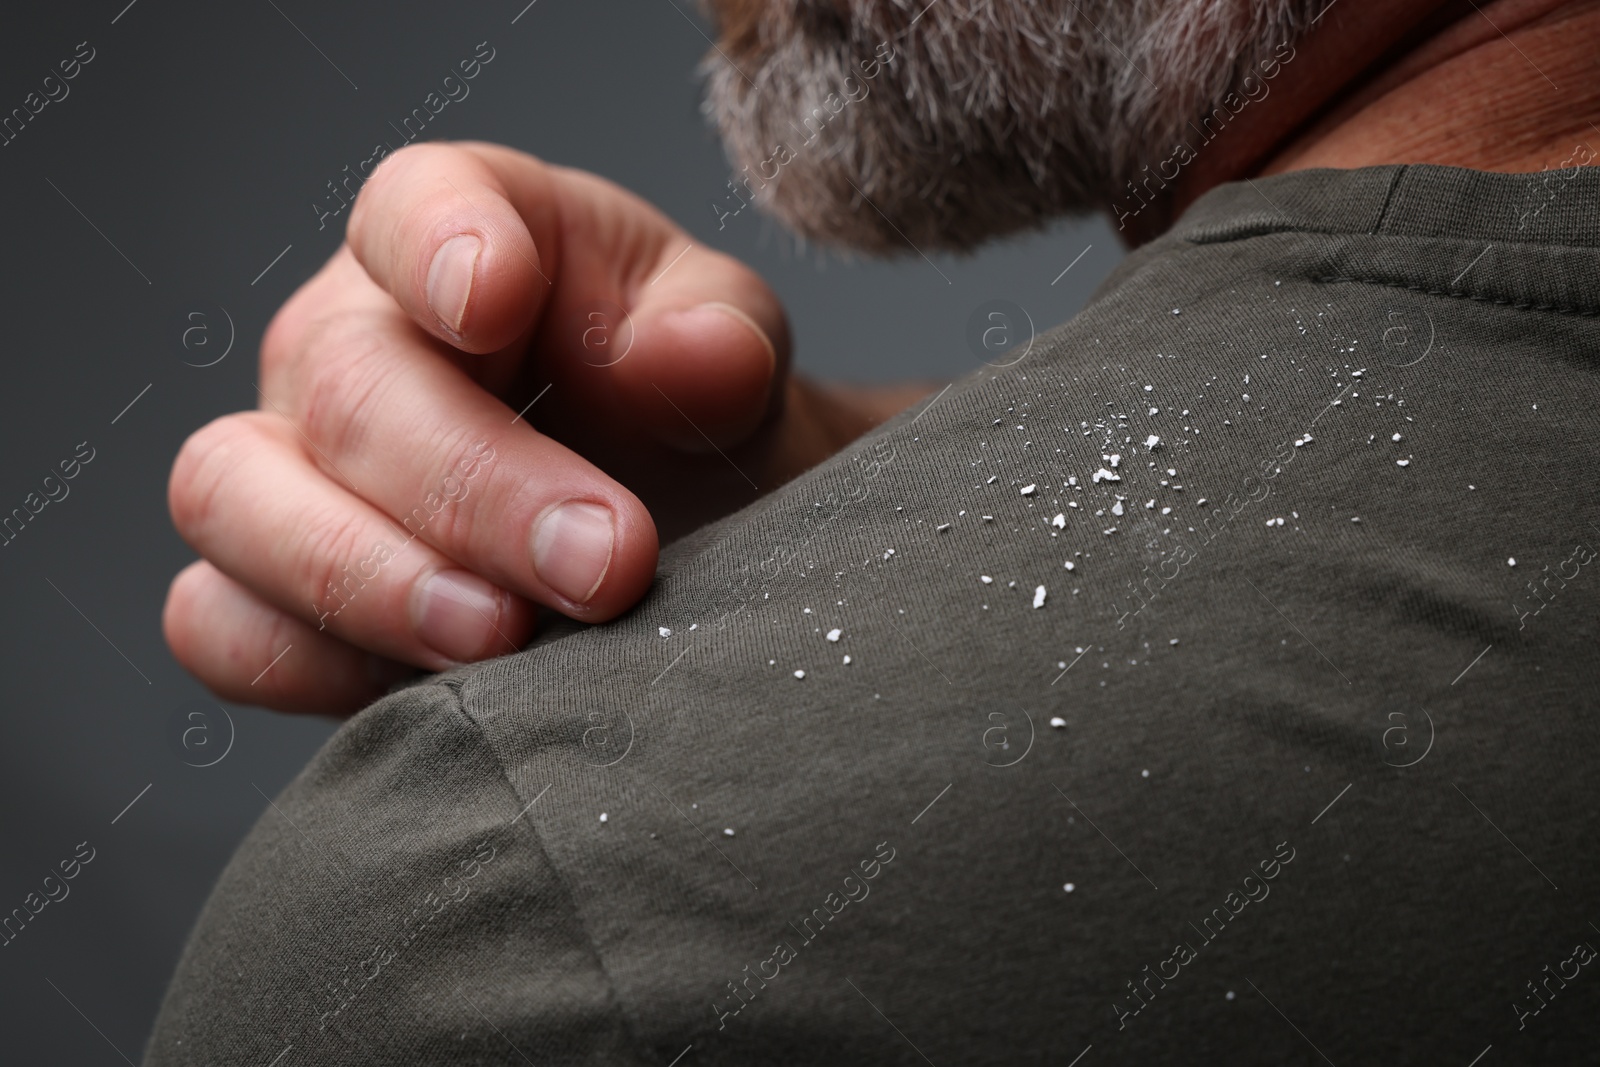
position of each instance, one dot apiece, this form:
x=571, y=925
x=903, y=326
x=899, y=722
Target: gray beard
x=857, y=123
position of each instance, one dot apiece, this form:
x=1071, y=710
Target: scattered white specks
x=847, y=661
x=799, y=674
x=942, y=527
x=1103, y=475
x=1038, y=597
x=603, y=816
x=1152, y=442
x=1069, y=887
x=727, y=831
x=1071, y=566
x=1028, y=489
x=1301, y=442
x=1058, y=722
x=1275, y=522
x=887, y=553
x=1511, y=561
x=663, y=631
x=985, y=579
x=1402, y=463
x=1113, y=459
x=1060, y=521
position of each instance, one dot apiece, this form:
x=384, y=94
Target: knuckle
x=397, y=170
x=203, y=469
x=325, y=564
x=447, y=504
x=344, y=371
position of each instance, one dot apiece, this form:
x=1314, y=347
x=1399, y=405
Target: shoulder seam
x=1460, y=294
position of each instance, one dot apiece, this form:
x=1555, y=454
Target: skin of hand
x=387, y=509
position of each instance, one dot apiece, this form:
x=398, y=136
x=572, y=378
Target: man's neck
x=1510, y=86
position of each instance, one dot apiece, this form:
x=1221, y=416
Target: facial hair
x=989, y=116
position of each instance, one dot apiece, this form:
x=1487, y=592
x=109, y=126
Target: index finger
x=435, y=227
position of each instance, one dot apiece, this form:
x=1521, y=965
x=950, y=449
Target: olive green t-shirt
x=1213, y=682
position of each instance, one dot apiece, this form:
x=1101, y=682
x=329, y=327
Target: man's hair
x=886, y=123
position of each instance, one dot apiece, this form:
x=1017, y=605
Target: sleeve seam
x=454, y=685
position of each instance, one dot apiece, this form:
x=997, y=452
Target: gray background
x=195, y=143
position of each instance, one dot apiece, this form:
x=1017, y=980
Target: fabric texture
x=1213, y=683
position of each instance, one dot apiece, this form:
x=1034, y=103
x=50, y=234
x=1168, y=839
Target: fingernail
x=455, y=613
x=740, y=316
x=450, y=278
x=572, y=548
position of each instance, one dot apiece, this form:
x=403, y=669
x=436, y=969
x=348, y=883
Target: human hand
x=387, y=507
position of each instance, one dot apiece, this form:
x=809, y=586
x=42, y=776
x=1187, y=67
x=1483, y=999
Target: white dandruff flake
x=603, y=816
x=1152, y=442
x=834, y=634
x=1058, y=722
x=1103, y=475
x=799, y=674
x=1060, y=521
x=1038, y=597
x=1511, y=561
x=942, y=527
x=1402, y=463
x=663, y=631
x=1027, y=490
x=727, y=831
x=1071, y=566
x=1069, y=887
x=1116, y=509
x=1396, y=437
x=847, y=661
x=985, y=579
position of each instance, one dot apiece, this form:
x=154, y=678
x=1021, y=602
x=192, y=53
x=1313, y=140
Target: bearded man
x=1207, y=683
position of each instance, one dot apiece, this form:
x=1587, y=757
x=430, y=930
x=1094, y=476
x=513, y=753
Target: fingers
x=434, y=227
x=245, y=496
x=391, y=421
x=633, y=321
x=247, y=651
